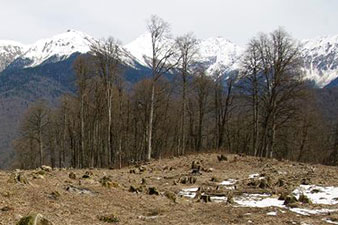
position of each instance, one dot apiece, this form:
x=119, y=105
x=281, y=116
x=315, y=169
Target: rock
x=280, y=182
x=230, y=198
x=135, y=189
x=46, y=168
x=87, y=174
x=208, y=170
x=205, y=198
x=305, y=181
x=196, y=165
x=38, y=176
x=304, y=199
x=55, y=195
x=18, y=178
x=109, y=218
x=142, y=169
x=282, y=196
x=41, y=172
x=34, y=219
x=6, y=209
x=6, y=194
x=254, y=183
x=143, y=181
x=187, y=180
x=80, y=190
x=290, y=199
x=72, y=176
x=106, y=182
x=153, y=191
x=215, y=179
x=222, y=158
x=196, y=172
x=170, y=195
x=264, y=183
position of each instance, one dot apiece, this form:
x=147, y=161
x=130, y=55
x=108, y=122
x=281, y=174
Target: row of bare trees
x=264, y=110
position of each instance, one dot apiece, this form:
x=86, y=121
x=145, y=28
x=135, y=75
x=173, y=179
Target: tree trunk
x=151, y=115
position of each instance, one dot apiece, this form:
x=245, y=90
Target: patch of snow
x=308, y=212
x=188, y=192
x=228, y=182
x=218, y=198
x=271, y=214
x=258, y=200
x=318, y=194
x=329, y=221
x=303, y=223
x=252, y=176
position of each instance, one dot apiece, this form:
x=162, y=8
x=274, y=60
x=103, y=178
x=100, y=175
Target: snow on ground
x=252, y=176
x=330, y=221
x=258, y=200
x=308, y=212
x=228, y=182
x=271, y=214
x=218, y=199
x=318, y=194
x=188, y=192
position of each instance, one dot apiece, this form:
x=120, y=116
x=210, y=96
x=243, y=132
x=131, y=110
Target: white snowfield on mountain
x=218, y=54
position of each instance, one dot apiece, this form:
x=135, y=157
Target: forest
x=266, y=109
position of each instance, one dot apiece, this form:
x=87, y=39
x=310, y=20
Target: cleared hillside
x=241, y=189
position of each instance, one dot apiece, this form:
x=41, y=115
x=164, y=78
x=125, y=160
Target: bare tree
x=188, y=49
x=273, y=65
x=251, y=67
x=107, y=58
x=161, y=62
x=35, y=124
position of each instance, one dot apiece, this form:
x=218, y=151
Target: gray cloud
x=237, y=20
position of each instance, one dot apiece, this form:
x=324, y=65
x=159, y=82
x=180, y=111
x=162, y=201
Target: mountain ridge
x=217, y=53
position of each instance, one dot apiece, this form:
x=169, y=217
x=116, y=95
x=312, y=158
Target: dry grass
x=47, y=194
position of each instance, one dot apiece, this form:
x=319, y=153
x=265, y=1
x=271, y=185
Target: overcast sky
x=237, y=20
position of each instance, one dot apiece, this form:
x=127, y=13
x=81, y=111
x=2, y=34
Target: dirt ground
x=92, y=196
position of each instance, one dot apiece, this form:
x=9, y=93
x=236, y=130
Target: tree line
x=266, y=109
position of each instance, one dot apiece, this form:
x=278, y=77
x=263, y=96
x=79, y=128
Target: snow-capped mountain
x=9, y=51
x=59, y=47
x=220, y=55
x=321, y=59
x=217, y=54
x=140, y=48
x=51, y=50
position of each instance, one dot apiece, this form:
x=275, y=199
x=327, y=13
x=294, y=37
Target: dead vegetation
x=149, y=194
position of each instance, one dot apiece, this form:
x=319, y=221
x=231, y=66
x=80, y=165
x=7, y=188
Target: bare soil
x=89, y=199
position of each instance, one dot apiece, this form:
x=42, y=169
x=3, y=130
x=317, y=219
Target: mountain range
x=44, y=69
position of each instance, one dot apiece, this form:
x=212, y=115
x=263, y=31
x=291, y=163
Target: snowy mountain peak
x=140, y=47
x=321, y=59
x=218, y=55
x=60, y=46
x=4, y=43
x=9, y=51
x=222, y=54
x=215, y=53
